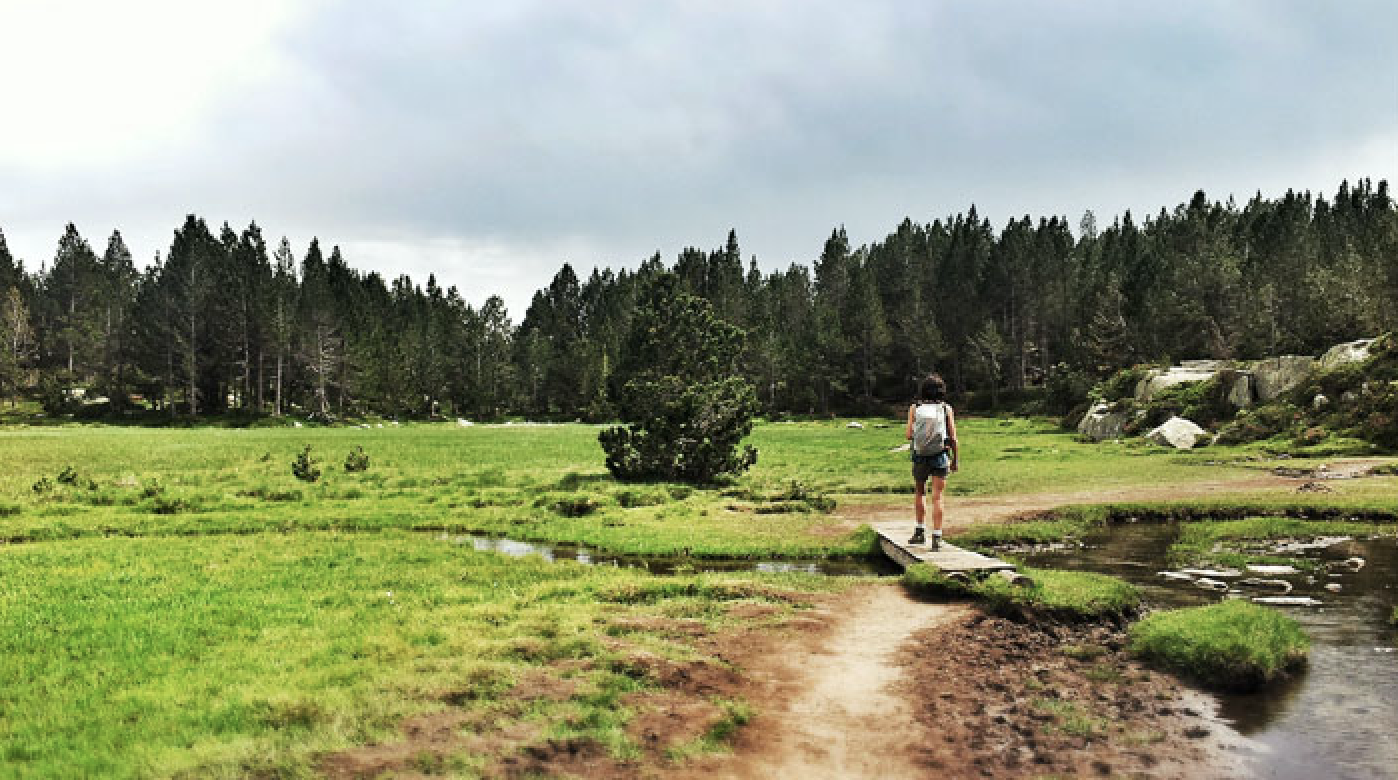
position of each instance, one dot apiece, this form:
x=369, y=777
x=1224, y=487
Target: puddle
x=660, y=564
x=1338, y=718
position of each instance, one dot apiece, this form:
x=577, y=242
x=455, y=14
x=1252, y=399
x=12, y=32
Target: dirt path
x=833, y=710
x=965, y=512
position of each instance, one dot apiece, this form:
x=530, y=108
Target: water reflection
x=1338, y=718
x=671, y=564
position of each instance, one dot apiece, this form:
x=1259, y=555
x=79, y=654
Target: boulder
x=1275, y=376
x=1102, y=423
x=855, y=424
x=1319, y=402
x=1240, y=394
x=1189, y=371
x=1349, y=352
x=1177, y=432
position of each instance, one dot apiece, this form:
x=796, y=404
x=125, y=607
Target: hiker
x=932, y=431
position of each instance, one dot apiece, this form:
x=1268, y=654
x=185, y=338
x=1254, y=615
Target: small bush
x=43, y=485
x=306, y=468
x=68, y=476
x=1235, y=645
x=356, y=460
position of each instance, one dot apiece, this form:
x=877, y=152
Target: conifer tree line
x=223, y=323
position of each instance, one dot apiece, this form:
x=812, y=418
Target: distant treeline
x=222, y=324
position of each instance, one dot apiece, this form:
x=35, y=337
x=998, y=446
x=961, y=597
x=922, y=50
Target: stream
x=1336, y=719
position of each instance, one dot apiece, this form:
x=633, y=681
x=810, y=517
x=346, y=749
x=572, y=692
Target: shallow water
x=658, y=564
x=1338, y=718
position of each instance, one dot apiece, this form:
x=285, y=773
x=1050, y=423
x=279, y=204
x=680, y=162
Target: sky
x=488, y=143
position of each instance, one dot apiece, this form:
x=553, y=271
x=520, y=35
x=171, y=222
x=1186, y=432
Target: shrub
x=68, y=476
x=685, y=410
x=1235, y=645
x=43, y=485
x=356, y=461
x=305, y=467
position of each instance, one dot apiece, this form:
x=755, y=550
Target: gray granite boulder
x=1101, y=423
x=1177, y=432
x=1274, y=376
x=1349, y=352
x=1187, y=371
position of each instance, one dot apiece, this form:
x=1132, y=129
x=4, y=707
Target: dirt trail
x=833, y=710
x=965, y=512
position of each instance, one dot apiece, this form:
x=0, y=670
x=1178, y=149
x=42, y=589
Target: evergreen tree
x=684, y=408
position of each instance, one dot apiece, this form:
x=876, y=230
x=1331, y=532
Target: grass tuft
x=1067, y=596
x=1235, y=645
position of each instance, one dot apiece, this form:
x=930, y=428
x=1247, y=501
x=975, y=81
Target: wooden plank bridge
x=948, y=558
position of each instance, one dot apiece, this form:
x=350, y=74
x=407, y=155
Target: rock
x=1254, y=582
x=1101, y=423
x=463, y=422
x=855, y=424
x=1177, y=432
x=1240, y=394
x=1349, y=398
x=1273, y=570
x=1319, y=402
x=1349, y=352
x=1188, y=371
x=1275, y=376
x=296, y=423
x=1208, y=584
x=1334, y=587
x=1213, y=573
x=902, y=448
x=1353, y=564
x=1287, y=601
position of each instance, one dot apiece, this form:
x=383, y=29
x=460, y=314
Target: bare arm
x=911, y=411
x=951, y=439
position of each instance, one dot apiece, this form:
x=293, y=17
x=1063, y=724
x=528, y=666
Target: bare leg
x=919, y=505
x=938, y=485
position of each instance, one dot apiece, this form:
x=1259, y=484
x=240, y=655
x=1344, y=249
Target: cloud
x=491, y=142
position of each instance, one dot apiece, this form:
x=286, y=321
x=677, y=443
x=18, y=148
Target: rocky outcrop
x=1349, y=352
x=1177, y=432
x=1187, y=371
x=1101, y=423
x=1274, y=376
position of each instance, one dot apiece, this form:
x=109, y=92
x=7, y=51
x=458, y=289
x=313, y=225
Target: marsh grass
x=223, y=656
x=1054, y=595
x=1235, y=645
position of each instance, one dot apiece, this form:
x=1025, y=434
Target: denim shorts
x=925, y=466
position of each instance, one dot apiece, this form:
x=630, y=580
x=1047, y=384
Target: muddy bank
x=1003, y=699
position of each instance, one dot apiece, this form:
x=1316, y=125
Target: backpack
x=930, y=429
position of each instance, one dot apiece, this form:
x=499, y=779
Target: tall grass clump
x=1067, y=596
x=1235, y=645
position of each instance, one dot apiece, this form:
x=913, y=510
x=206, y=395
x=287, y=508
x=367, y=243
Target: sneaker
x=936, y=543
x=918, y=537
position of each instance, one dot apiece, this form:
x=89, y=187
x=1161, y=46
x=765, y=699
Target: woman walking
x=932, y=431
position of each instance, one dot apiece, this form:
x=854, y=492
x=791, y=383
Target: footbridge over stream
x=948, y=558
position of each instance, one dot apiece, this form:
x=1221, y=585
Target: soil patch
x=1007, y=700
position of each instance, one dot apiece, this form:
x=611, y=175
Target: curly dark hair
x=932, y=388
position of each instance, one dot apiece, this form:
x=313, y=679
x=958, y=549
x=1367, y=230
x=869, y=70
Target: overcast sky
x=488, y=142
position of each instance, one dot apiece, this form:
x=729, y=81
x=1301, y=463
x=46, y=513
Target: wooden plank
x=949, y=558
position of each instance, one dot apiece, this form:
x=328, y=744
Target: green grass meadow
x=175, y=603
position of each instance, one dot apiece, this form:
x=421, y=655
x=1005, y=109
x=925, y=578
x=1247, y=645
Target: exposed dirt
x=1008, y=700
